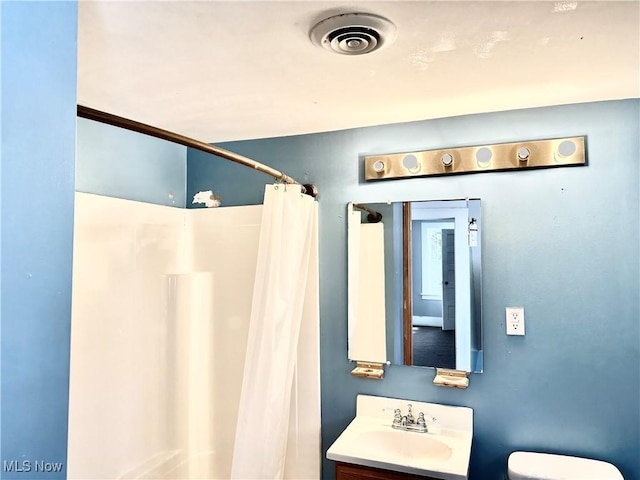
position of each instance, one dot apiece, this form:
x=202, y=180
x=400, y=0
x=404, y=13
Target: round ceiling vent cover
x=353, y=33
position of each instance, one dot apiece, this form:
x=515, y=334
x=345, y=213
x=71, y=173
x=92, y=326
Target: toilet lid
x=546, y=466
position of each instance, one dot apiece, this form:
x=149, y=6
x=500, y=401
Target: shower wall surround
x=161, y=307
x=563, y=243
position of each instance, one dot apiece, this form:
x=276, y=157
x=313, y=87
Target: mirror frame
x=402, y=318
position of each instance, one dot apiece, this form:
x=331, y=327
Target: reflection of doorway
x=433, y=346
x=448, y=280
x=421, y=291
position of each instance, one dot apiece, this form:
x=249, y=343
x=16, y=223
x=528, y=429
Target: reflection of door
x=407, y=310
x=462, y=267
x=448, y=280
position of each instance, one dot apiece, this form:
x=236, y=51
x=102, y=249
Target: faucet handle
x=410, y=418
x=429, y=418
x=397, y=417
x=421, y=422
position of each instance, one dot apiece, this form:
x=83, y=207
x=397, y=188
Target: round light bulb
x=523, y=154
x=410, y=162
x=483, y=157
x=447, y=159
x=566, y=149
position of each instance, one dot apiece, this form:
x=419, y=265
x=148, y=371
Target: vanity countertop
x=442, y=452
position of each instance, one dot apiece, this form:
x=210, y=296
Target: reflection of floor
x=434, y=347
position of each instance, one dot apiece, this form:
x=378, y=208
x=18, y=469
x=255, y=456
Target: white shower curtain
x=286, y=256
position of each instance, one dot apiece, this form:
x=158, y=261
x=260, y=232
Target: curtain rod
x=103, y=117
x=373, y=217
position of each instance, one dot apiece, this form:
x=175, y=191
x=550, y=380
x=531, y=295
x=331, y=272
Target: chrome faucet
x=408, y=421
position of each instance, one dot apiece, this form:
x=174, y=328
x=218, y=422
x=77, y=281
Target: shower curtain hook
x=283, y=180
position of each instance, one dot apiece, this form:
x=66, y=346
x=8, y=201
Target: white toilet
x=546, y=466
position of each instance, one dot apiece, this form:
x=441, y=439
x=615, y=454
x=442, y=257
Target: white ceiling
x=219, y=71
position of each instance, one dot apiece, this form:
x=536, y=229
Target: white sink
x=442, y=452
x=399, y=444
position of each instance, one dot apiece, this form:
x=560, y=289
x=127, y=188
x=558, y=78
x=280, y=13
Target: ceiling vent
x=353, y=33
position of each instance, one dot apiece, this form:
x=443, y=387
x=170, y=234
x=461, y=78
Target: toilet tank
x=546, y=466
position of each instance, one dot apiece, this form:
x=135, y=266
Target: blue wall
x=563, y=243
x=38, y=150
x=124, y=164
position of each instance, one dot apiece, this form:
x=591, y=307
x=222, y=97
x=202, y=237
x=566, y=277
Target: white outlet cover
x=514, y=320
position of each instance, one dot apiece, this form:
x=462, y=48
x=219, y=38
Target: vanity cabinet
x=348, y=471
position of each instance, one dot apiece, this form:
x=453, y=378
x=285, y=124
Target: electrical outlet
x=515, y=320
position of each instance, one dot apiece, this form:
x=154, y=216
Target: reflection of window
x=431, y=253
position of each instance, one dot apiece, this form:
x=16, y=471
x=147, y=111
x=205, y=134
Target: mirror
x=431, y=263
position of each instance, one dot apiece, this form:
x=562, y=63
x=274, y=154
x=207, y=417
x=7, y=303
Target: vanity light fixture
x=559, y=152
